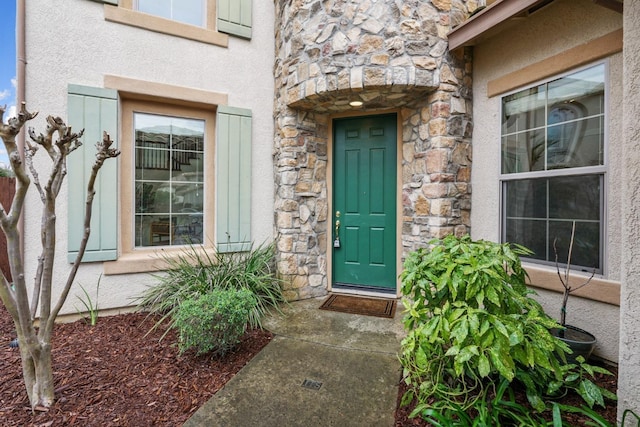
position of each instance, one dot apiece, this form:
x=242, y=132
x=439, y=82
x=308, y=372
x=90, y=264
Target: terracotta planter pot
x=580, y=341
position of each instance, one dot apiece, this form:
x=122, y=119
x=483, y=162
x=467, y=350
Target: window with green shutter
x=184, y=178
x=95, y=110
x=190, y=19
x=233, y=179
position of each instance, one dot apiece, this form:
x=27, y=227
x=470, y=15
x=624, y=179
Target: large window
x=167, y=176
x=169, y=180
x=553, y=165
x=187, y=11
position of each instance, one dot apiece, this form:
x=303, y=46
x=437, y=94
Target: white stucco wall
x=629, y=378
x=70, y=42
x=596, y=317
x=552, y=30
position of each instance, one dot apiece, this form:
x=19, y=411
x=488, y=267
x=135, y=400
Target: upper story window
x=207, y=21
x=553, y=166
x=191, y=12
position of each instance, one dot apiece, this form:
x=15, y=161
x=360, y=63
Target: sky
x=7, y=63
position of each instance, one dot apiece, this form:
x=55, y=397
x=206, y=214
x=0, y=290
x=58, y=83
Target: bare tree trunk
x=37, y=370
x=35, y=346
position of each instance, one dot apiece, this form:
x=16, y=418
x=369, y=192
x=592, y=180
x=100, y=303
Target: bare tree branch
x=103, y=152
x=8, y=133
x=566, y=283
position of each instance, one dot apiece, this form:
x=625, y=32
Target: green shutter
x=234, y=17
x=233, y=179
x=95, y=110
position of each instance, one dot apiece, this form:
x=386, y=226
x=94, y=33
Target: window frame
x=125, y=13
x=146, y=258
x=598, y=170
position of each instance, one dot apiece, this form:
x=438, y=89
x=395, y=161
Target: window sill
x=150, y=260
x=165, y=26
x=602, y=290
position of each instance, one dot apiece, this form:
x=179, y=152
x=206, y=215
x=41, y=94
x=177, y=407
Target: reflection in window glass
x=523, y=152
x=187, y=11
x=524, y=110
x=547, y=131
x=169, y=201
x=539, y=211
x=556, y=125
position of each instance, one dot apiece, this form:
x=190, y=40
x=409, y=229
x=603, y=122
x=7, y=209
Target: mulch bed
x=112, y=374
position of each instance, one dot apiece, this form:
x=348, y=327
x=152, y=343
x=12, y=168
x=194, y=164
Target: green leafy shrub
x=472, y=324
x=194, y=273
x=214, y=322
x=502, y=409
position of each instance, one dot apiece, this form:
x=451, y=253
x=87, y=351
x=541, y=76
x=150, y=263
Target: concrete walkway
x=321, y=368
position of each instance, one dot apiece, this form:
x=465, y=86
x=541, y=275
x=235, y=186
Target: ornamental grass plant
x=194, y=273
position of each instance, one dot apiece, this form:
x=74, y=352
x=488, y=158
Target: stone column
x=388, y=55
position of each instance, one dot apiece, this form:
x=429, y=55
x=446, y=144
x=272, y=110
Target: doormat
x=360, y=305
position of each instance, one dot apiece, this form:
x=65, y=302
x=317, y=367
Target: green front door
x=364, y=203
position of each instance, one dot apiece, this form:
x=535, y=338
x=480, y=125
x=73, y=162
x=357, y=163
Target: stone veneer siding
x=391, y=55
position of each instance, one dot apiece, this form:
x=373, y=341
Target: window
x=553, y=167
x=169, y=180
x=188, y=11
x=206, y=21
x=184, y=176
x=167, y=177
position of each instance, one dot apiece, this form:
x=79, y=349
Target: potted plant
x=579, y=341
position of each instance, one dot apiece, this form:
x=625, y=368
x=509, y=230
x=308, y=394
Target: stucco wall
x=70, y=42
x=628, y=379
x=547, y=32
x=599, y=318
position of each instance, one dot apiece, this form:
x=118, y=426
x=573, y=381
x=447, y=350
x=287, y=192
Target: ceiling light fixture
x=356, y=103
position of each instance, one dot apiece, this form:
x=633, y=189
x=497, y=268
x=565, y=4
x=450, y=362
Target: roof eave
x=469, y=31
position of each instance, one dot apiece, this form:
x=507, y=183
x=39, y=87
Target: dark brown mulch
x=112, y=375
x=609, y=413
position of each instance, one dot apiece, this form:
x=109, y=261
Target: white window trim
x=586, y=170
x=125, y=14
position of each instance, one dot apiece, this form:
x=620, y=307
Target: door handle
x=336, y=242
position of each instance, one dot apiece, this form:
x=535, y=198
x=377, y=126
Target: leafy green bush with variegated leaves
x=472, y=324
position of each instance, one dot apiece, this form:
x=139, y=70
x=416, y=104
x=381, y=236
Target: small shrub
x=194, y=273
x=214, y=322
